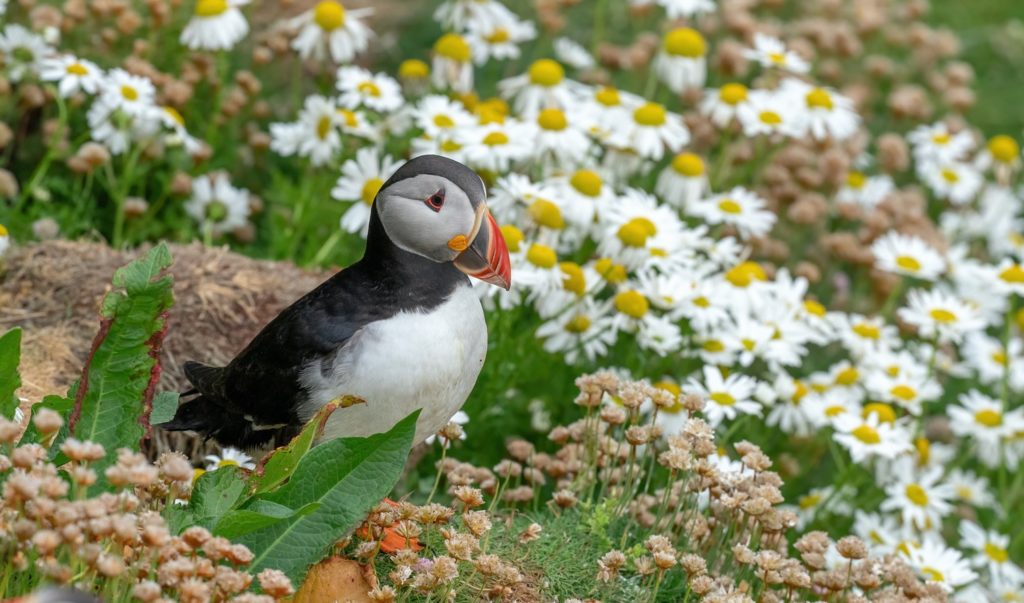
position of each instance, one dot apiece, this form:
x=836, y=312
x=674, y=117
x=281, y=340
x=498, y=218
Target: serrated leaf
x=164, y=406
x=10, y=380
x=346, y=477
x=280, y=464
x=216, y=493
x=114, y=395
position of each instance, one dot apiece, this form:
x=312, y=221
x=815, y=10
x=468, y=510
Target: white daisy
x=983, y=419
x=922, y=499
x=935, y=143
x=824, y=113
x=376, y=91
x=770, y=52
x=23, y=51
x=723, y=104
x=498, y=40
x=992, y=552
x=739, y=208
x=633, y=315
x=452, y=66
x=726, y=397
x=571, y=53
x=686, y=9
x=361, y=179
x=940, y=315
x=683, y=181
x=908, y=255
x=329, y=29
x=71, y=74
x=580, y=332
x=5, y=240
x=650, y=131
x=681, y=63
x=955, y=181
x=314, y=135
x=542, y=86
x=229, y=457
x=942, y=565
x=561, y=135
x=215, y=25
x=770, y=113
x=459, y=15
x=495, y=146
x=216, y=205
x=865, y=191
x=866, y=438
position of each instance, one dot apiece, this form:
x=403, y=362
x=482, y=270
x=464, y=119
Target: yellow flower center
x=610, y=271
x=799, y=392
x=173, y=114
x=685, y=42
x=541, y=256
x=129, y=93
x=546, y=73
x=856, y=180
x=924, y=450
x=573, y=278
x=498, y=36
x=443, y=121
x=713, y=345
x=3, y=231
x=631, y=303
x=369, y=88
x=999, y=357
x=701, y=302
x=495, y=139
x=903, y=392
x=450, y=146
x=578, y=324
x=329, y=15
x=933, y=574
x=77, y=68
x=867, y=434
x=748, y=344
x=867, y=330
x=649, y=114
x=211, y=8
x=745, y=274
x=586, y=182
x=942, y=315
x=884, y=412
x=809, y=501
x=996, y=553
x=513, y=237
x=227, y=463
x=197, y=473
x=323, y=127
x=732, y=94
x=1003, y=148
x=636, y=232
x=546, y=214
x=917, y=495
x=730, y=207
x=552, y=119
x=819, y=98
x=837, y=409
x=950, y=176
x=351, y=119
x=607, y=96
x=370, y=189
x=941, y=138
x=908, y=263
x=770, y=118
x=815, y=308
x=413, y=69
x=777, y=57
x=722, y=398
x=453, y=46
x=1013, y=274
x=989, y=417
x=848, y=376
x=688, y=164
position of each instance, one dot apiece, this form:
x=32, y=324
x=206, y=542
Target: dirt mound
x=53, y=291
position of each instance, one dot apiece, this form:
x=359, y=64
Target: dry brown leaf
x=337, y=580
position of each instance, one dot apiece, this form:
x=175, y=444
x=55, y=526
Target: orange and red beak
x=486, y=258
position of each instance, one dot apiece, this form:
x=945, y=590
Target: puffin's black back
x=254, y=400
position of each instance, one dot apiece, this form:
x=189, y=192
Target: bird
x=399, y=330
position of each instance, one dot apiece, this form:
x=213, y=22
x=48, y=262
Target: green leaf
x=346, y=477
x=243, y=521
x=216, y=493
x=281, y=463
x=10, y=380
x=61, y=406
x=114, y=396
x=164, y=406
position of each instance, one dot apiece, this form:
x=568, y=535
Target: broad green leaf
x=346, y=477
x=165, y=404
x=216, y=493
x=10, y=380
x=243, y=521
x=62, y=406
x=115, y=393
x=281, y=463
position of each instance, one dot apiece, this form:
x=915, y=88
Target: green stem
x=51, y=150
x=437, y=477
x=328, y=247
x=124, y=184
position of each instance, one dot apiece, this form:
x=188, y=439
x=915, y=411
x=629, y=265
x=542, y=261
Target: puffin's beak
x=486, y=258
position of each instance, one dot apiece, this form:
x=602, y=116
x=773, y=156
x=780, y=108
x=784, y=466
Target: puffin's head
x=436, y=208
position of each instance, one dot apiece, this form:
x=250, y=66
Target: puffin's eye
x=436, y=201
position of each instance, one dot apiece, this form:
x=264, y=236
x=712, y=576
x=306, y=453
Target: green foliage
x=344, y=478
x=114, y=396
x=10, y=380
x=281, y=463
x=165, y=404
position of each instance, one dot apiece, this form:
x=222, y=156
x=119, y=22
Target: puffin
x=401, y=329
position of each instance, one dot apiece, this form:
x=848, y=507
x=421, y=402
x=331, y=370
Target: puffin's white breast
x=427, y=360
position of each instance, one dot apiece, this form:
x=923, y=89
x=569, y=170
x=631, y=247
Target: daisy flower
x=722, y=105
x=955, y=181
x=922, y=500
x=361, y=179
x=865, y=191
x=988, y=358
x=970, y=488
x=726, y=396
x=495, y=146
x=215, y=25
x=650, y=130
x=229, y=457
x=541, y=274
x=633, y=315
x=71, y=74
x=683, y=181
x=440, y=116
x=542, y=86
x=498, y=40
x=909, y=391
x=562, y=136
x=942, y=565
x=459, y=15
x=23, y=51
x=178, y=135
x=907, y=255
x=818, y=501
x=216, y=205
x=795, y=410
x=769, y=51
x=586, y=195
x=314, y=135
x=376, y=91
x=823, y=112
x=5, y=240
x=568, y=51
x=866, y=438
x=1011, y=277
x=129, y=93
x=637, y=228
x=452, y=66
x=880, y=532
x=1001, y=153
x=739, y=208
x=983, y=419
x=937, y=314
x=992, y=552
x=581, y=332
x=768, y=113
x=682, y=64
x=329, y=29
x=685, y=9
x=936, y=144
